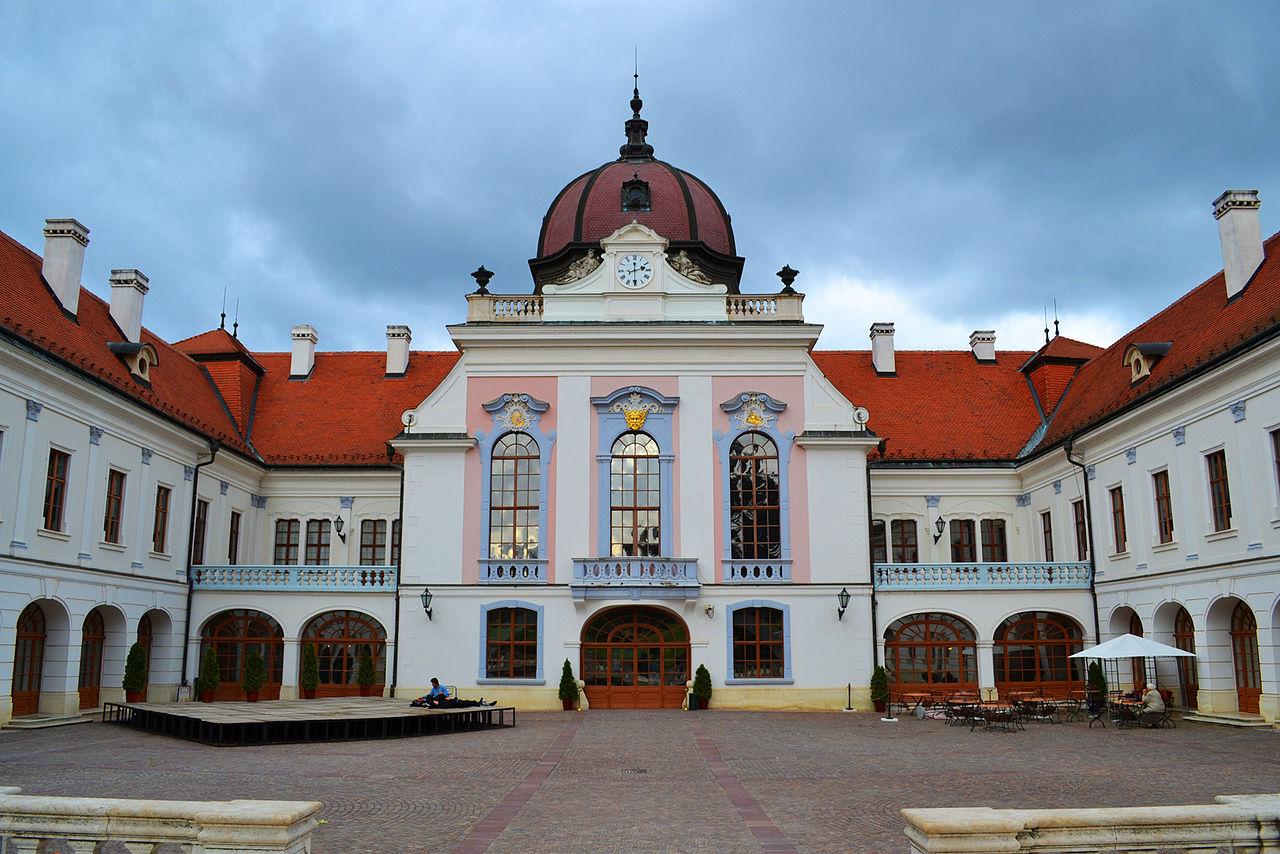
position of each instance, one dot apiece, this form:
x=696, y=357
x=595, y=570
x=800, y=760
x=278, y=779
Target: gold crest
x=635, y=418
x=754, y=419
x=518, y=419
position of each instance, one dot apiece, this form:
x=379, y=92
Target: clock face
x=634, y=271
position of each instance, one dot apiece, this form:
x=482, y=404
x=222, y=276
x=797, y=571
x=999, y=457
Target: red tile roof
x=1067, y=349
x=942, y=404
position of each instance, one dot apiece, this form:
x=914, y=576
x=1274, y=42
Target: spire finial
x=1046, y=324
x=636, y=127
x=222, y=322
x=1055, y=317
x=235, y=325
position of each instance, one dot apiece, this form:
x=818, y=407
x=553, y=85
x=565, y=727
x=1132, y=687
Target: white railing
x=744, y=308
x=757, y=571
x=740, y=308
x=32, y=822
x=354, y=579
x=980, y=576
x=503, y=308
x=513, y=572
x=659, y=577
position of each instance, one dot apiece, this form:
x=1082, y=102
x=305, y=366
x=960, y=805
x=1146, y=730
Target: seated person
x=1152, y=706
x=438, y=698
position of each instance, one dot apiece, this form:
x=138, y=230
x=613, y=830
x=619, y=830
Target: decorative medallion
x=515, y=411
x=754, y=412
x=636, y=410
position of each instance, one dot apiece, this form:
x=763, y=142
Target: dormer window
x=635, y=194
x=1141, y=358
x=139, y=357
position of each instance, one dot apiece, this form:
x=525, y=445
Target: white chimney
x=304, y=351
x=128, y=288
x=398, y=339
x=64, y=243
x=882, y=348
x=1237, y=214
x=983, y=344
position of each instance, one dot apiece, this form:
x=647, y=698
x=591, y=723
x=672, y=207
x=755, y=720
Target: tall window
x=111, y=516
x=511, y=644
x=1219, y=491
x=905, y=547
x=755, y=520
x=1275, y=454
x=635, y=497
x=1046, y=531
x=55, y=489
x=317, y=552
x=160, y=526
x=1184, y=638
x=395, y=542
x=759, y=649
x=373, y=542
x=233, y=539
x=1082, y=530
x=197, y=537
x=1164, y=506
x=995, y=547
x=514, y=497
x=879, y=545
x=1118, y=533
x=287, y=531
x=963, y=549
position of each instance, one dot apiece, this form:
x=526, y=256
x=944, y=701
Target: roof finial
x=636, y=127
x=235, y=325
x=222, y=323
x=1046, y=324
x=1055, y=317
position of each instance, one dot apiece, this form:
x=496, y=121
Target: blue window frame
x=754, y=646
x=754, y=413
x=523, y=457
x=483, y=678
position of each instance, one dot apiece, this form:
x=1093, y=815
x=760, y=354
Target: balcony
x=757, y=571
x=317, y=579
x=635, y=578
x=981, y=576
x=739, y=308
x=513, y=572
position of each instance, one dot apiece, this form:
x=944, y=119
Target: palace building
x=640, y=466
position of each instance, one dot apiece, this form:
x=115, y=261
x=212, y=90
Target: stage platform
x=294, y=721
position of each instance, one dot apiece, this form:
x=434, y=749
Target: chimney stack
x=882, y=348
x=1237, y=214
x=398, y=340
x=304, y=351
x=983, y=344
x=128, y=288
x=64, y=243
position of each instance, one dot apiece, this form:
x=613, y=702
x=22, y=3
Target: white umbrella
x=1132, y=646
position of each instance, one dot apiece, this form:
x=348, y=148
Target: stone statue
x=684, y=265
x=578, y=269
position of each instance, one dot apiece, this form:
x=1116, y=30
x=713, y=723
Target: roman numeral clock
x=634, y=271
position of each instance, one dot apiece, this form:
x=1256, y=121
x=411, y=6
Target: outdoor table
x=1041, y=708
x=1001, y=716
x=1126, y=712
x=915, y=699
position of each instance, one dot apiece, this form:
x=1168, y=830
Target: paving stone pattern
x=657, y=781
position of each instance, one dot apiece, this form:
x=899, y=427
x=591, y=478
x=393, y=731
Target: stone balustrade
x=981, y=576
x=347, y=579
x=503, y=308
x=739, y=308
x=757, y=571
x=743, y=308
x=513, y=572
x=32, y=823
x=1237, y=823
x=648, y=577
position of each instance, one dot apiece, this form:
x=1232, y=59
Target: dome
x=637, y=186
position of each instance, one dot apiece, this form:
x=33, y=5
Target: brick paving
x=657, y=781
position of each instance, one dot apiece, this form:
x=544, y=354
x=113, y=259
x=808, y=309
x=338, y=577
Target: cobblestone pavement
x=657, y=781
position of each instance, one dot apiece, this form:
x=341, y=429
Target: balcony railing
x=323, y=579
x=757, y=571
x=739, y=308
x=513, y=572
x=744, y=308
x=635, y=577
x=981, y=576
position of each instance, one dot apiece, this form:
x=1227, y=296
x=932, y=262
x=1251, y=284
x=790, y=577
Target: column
x=21, y=513
x=986, y=669
x=289, y=677
x=141, y=544
x=84, y=554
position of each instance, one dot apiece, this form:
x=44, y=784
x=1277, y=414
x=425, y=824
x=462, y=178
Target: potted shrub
x=701, y=688
x=365, y=673
x=135, y=675
x=880, y=688
x=254, y=675
x=210, y=676
x=1096, y=688
x=310, y=672
x=568, y=687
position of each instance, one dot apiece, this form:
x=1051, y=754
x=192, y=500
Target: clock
x=634, y=271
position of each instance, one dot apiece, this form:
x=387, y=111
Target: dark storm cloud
x=348, y=167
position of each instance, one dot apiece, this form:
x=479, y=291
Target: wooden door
x=1244, y=652
x=28, y=662
x=92, y=641
x=635, y=658
x=1184, y=638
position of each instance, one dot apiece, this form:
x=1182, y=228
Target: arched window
x=1184, y=638
x=755, y=522
x=28, y=661
x=339, y=639
x=1244, y=652
x=232, y=634
x=635, y=497
x=145, y=634
x=511, y=643
x=514, y=495
x=931, y=649
x=759, y=646
x=93, y=640
x=1031, y=651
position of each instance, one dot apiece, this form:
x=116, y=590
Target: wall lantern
x=337, y=527
x=939, y=526
x=426, y=601
x=843, y=598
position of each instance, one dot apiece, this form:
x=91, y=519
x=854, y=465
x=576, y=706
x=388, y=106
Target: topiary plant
x=568, y=685
x=879, y=687
x=255, y=673
x=702, y=686
x=135, y=670
x=210, y=674
x=365, y=674
x=1097, y=685
x=310, y=669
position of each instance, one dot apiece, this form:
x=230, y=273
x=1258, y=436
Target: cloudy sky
x=946, y=166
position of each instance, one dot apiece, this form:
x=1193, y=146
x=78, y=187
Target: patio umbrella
x=1132, y=646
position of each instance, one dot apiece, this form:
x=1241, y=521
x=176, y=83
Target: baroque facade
x=737, y=498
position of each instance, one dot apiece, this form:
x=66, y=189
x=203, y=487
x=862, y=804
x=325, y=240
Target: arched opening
x=755, y=509
x=514, y=498
x=635, y=657
x=145, y=637
x=28, y=662
x=1244, y=655
x=1184, y=638
x=232, y=635
x=339, y=639
x=1031, y=651
x=93, y=641
x=164, y=655
x=931, y=649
